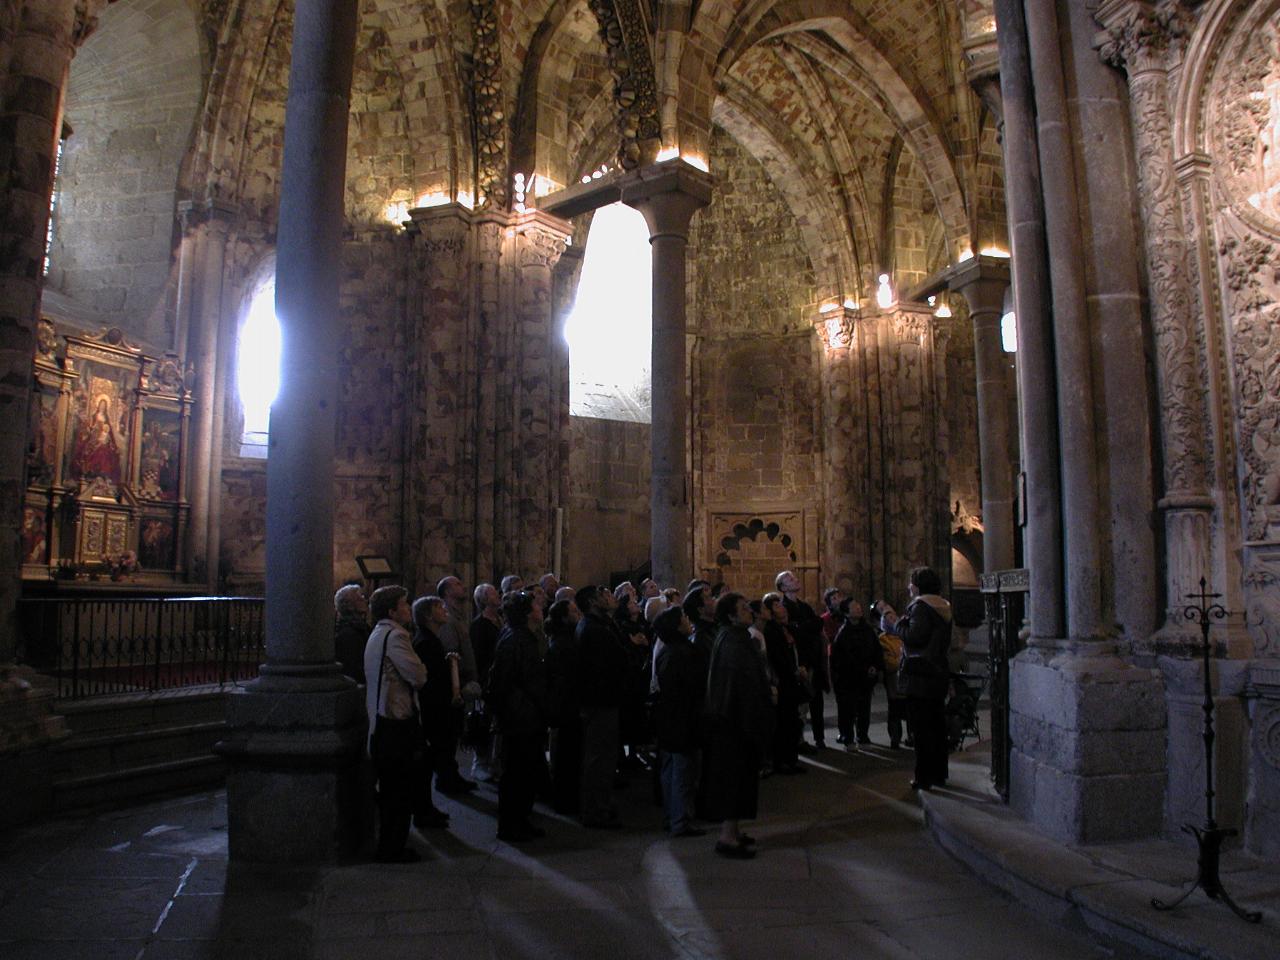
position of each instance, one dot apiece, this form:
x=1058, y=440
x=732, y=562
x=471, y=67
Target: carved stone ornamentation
x=1143, y=36
x=1262, y=604
x=625, y=33
x=490, y=116
x=46, y=340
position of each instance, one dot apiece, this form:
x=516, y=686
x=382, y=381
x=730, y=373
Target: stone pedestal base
x=28, y=726
x=1184, y=692
x=296, y=787
x=1088, y=758
x=1262, y=811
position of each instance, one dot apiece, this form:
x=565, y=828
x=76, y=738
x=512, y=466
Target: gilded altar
x=107, y=461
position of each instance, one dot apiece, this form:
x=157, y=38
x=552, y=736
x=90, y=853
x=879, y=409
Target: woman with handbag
x=395, y=736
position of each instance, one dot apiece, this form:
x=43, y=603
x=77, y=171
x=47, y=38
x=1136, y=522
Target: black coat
x=436, y=695
x=680, y=696
x=518, y=683
x=564, y=678
x=811, y=642
x=926, y=637
x=350, y=634
x=603, y=663
x=782, y=655
x=854, y=653
x=484, y=640
x=738, y=698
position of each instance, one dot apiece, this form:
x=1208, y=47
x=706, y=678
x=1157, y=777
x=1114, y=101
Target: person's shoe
x=909, y=743
x=455, y=787
x=746, y=840
x=734, y=851
x=806, y=747
x=918, y=785
x=535, y=833
x=435, y=820
x=820, y=745
x=894, y=745
x=690, y=832
x=403, y=856
x=850, y=748
x=842, y=739
x=766, y=773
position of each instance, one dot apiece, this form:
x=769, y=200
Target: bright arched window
x=258, y=370
x=610, y=329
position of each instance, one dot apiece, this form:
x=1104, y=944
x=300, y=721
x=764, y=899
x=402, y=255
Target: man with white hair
x=350, y=630
x=455, y=637
x=549, y=583
x=806, y=626
x=511, y=583
x=484, y=632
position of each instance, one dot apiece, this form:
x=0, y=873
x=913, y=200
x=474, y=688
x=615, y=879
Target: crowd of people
x=557, y=691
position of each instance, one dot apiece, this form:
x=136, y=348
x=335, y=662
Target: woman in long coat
x=739, y=721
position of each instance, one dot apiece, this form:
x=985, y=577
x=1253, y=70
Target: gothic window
x=258, y=369
x=609, y=330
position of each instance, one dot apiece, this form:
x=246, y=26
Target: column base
x=1088, y=758
x=28, y=727
x=1262, y=809
x=297, y=788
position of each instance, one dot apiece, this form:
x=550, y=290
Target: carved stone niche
x=750, y=547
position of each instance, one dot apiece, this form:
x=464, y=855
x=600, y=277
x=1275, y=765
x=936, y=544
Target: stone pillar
x=1088, y=729
x=40, y=47
x=983, y=282
x=540, y=240
x=1142, y=41
x=1037, y=394
x=296, y=734
x=844, y=510
x=441, y=392
x=668, y=195
x=206, y=320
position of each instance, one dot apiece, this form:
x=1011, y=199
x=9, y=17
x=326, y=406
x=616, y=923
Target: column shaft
x=300, y=496
x=668, y=201
x=1079, y=459
x=39, y=58
x=1037, y=400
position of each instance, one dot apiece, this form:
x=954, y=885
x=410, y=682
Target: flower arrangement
x=123, y=564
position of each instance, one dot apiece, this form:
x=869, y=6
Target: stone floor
x=846, y=869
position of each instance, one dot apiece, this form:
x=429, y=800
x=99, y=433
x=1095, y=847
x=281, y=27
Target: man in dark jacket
x=675, y=716
x=856, y=660
x=603, y=664
x=350, y=630
x=518, y=692
x=925, y=630
x=784, y=662
x=811, y=645
x=483, y=632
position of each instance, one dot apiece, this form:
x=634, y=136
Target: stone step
x=80, y=754
x=128, y=712
x=125, y=785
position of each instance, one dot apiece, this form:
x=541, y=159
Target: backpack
x=891, y=648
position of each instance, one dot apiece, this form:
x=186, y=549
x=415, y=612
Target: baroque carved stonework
x=490, y=118
x=1143, y=35
x=1262, y=603
x=625, y=33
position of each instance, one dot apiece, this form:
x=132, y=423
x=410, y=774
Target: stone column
x=210, y=244
x=40, y=50
x=668, y=195
x=1037, y=395
x=983, y=282
x=844, y=510
x=296, y=733
x=540, y=240
x=1142, y=39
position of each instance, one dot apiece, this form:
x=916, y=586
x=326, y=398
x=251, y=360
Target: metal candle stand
x=1210, y=838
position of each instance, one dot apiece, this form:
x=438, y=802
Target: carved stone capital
x=835, y=327
x=1141, y=35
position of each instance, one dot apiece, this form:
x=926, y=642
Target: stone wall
x=607, y=523
x=370, y=429
x=131, y=104
x=755, y=405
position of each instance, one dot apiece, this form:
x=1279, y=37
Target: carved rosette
x=1145, y=40
x=490, y=117
x=625, y=34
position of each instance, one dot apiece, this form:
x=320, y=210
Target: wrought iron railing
x=96, y=647
x=1004, y=594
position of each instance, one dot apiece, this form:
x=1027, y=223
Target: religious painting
x=161, y=446
x=98, y=446
x=43, y=437
x=35, y=536
x=155, y=543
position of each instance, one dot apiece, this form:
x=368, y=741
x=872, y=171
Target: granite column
x=668, y=199
x=296, y=734
x=983, y=282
